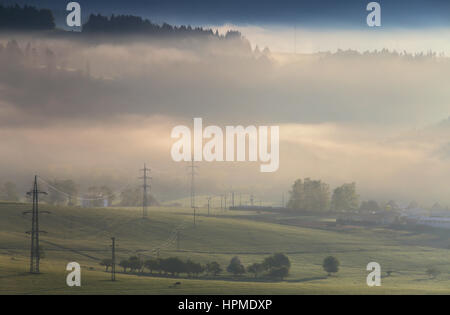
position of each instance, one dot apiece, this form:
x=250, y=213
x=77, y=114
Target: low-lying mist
x=96, y=111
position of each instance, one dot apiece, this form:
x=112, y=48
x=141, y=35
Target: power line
x=78, y=197
x=145, y=186
x=35, y=248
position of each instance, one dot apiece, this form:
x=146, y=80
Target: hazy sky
x=298, y=39
x=342, y=118
x=319, y=13
x=301, y=26
x=111, y=107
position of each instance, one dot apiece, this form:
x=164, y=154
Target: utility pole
x=145, y=186
x=35, y=250
x=251, y=200
x=209, y=202
x=225, y=201
x=113, y=259
x=240, y=199
x=221, y=202
x=193, y=167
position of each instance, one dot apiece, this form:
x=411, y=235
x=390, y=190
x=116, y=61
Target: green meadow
x=84, y=235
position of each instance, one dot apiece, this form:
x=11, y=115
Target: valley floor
x=83, y=235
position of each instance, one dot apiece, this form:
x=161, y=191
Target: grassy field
x=83, y=235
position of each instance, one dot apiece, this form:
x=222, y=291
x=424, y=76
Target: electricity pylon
x=35, y=249
x=145, y=186
x=193, y=167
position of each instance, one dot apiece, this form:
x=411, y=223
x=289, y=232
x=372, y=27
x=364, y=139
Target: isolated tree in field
x=433, y=272
x=330, y=265
x=213, y=268
x=255, y=269
x=345, y=198
x=152, y=264
x=9, y=192
x=106, y=263
x=235, y=267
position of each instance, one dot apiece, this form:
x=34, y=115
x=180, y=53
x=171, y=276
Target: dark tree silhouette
x=235, y=267
x=331, y=265
x=127, y=24
x=25, y=18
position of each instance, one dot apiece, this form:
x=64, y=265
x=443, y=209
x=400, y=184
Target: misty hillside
x=30, y=18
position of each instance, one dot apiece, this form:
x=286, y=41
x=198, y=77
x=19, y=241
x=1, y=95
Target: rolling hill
x=83, y=235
